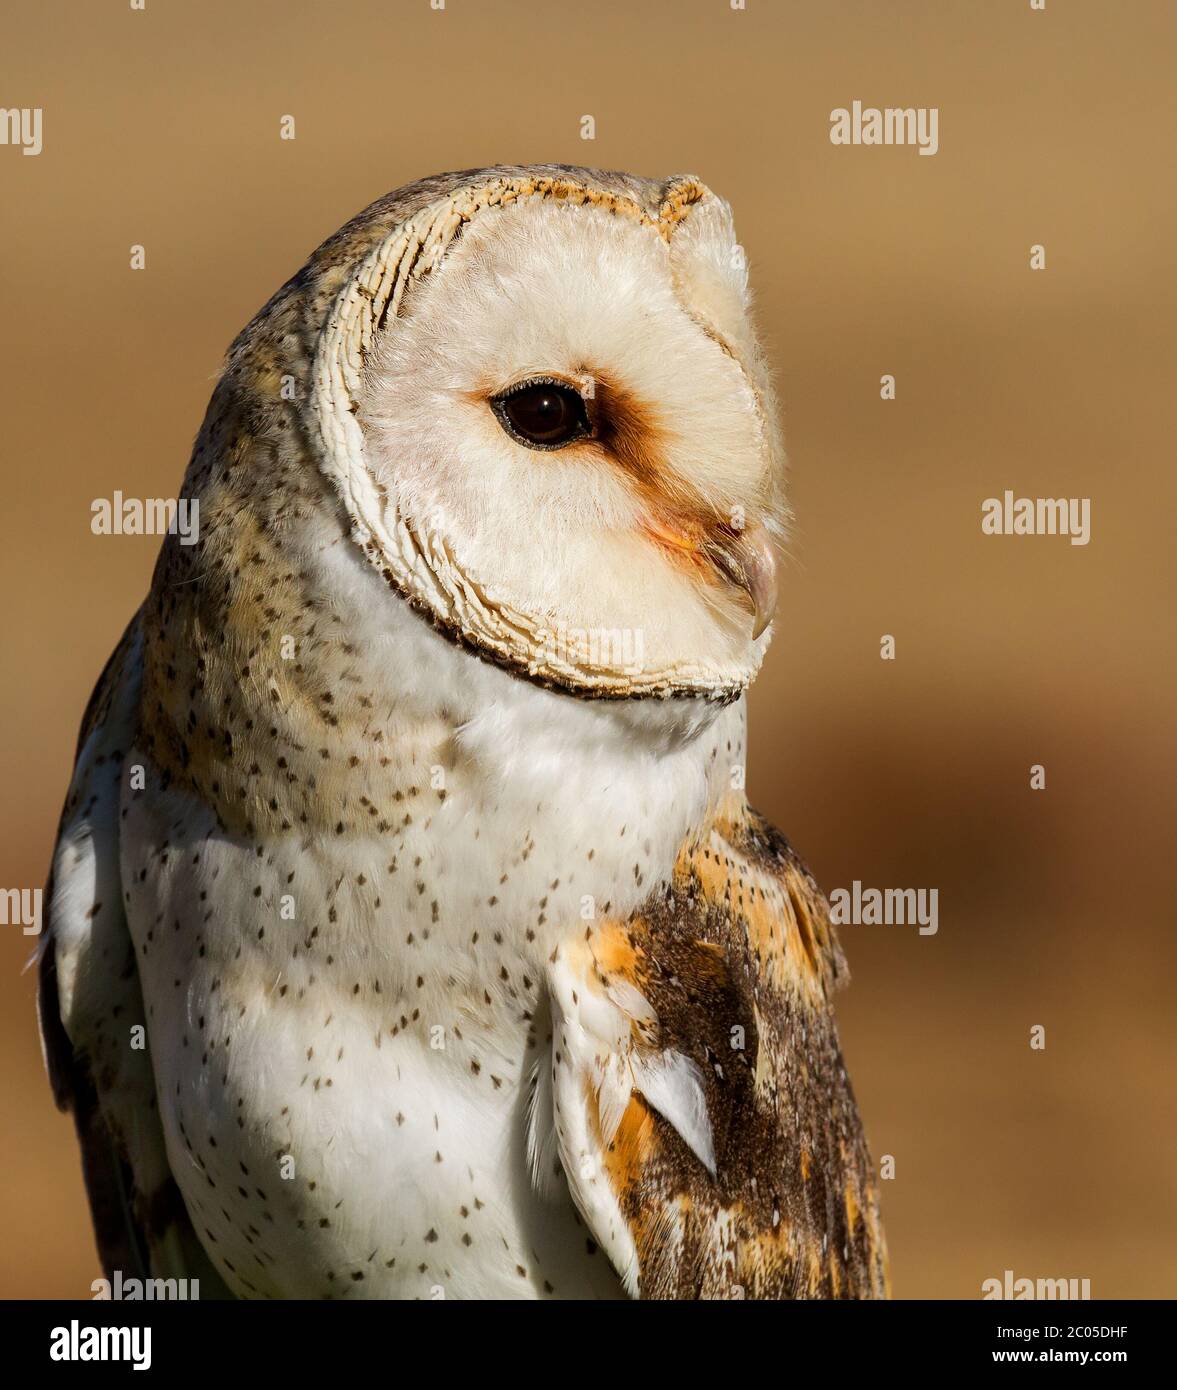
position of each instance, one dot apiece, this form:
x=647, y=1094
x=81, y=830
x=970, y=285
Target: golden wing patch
x=703, y=1112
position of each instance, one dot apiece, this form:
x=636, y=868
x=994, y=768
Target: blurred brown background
x=1056, y=907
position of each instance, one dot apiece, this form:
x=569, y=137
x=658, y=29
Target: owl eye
x=542, y=414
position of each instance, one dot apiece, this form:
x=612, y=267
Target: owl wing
x=703, y=1114
x=90, y=1007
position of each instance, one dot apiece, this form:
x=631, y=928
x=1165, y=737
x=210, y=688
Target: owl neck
x=299, y=697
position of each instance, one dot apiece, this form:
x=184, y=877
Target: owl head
x=539, y=400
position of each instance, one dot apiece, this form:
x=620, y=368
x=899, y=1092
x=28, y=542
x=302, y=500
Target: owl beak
x=744, y=558
x=748, y=560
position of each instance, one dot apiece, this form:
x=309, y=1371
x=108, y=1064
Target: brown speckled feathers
x=738, y=961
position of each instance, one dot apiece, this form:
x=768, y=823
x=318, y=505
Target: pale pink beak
x=748, y=559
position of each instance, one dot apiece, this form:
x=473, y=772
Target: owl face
x=564, y=435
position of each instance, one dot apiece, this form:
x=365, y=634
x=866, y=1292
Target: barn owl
x=410, y=935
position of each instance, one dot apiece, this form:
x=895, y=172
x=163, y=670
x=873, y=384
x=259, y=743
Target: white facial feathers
x=590, y=565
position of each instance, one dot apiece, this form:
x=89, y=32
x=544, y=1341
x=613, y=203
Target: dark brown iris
x=543, y=414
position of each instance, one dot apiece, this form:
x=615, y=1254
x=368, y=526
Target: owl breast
x=343, y=1120
x=344, y=996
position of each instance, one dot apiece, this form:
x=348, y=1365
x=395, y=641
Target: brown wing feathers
x=738, y=961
